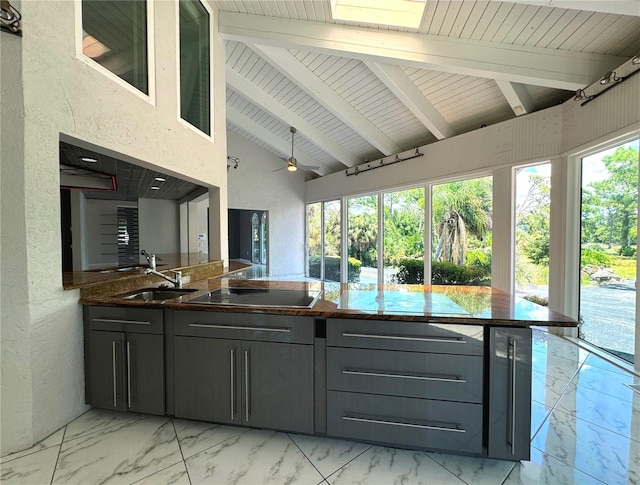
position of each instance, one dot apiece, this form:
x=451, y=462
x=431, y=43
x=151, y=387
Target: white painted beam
x=618, y=7
x=522, y=64
x=408, y=93
x=517, y=96
x=315, y=87
x=268, y=103
x=271, y=139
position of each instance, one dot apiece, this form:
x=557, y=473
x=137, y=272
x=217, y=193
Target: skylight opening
x=397, y=13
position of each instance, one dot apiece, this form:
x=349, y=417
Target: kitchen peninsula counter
x=451, y=304
x=444, y=368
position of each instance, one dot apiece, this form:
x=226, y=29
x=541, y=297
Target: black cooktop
x=259, y=297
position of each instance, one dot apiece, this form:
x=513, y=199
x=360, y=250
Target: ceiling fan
x=292, y=163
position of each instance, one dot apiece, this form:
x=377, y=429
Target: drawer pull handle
x=129, y=373
x=240, y=327
x=112, y=320
x=354, y=372
x=406, y=425
x=115, y=378
x=450, y=340
x=233, y=387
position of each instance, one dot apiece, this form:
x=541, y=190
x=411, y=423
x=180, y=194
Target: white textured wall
x=255, y=185
x=42, y=362
x=16, y=400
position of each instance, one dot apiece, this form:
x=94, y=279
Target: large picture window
x=114, y=34
x=195, y=67
x=608, y=249
x=461, y=236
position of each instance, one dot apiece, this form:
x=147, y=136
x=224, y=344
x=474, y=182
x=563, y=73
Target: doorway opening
x=249, y=237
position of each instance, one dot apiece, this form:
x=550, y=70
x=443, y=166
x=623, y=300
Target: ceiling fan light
x=292, y=165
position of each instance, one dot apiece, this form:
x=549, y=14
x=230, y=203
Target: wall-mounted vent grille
x=128, y=237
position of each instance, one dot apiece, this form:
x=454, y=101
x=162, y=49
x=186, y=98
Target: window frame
x=151, y=78
x=182, y=121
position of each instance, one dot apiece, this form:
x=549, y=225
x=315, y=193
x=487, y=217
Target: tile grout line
x=53, y=474
x=184, y=462
x=444, y=467
x=570, y=466
x=324, y=479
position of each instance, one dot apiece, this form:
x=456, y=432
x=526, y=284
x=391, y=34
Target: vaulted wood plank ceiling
x=358, y=91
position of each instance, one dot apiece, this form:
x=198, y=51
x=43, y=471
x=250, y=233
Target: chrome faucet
x=177, y=281
x=151, y=259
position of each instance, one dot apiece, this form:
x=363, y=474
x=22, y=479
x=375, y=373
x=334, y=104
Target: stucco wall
x=254, y=185
x=42, y=383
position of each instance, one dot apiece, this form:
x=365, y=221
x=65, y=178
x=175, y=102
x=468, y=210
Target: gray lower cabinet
x=124, y=359
x=421, y=423
x=127, y=371
x=246, y=382
x=411, y=384
x=509, y=397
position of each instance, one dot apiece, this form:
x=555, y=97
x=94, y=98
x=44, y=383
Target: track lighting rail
x=382, y=163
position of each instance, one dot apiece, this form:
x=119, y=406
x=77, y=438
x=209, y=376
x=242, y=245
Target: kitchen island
x=426, y=367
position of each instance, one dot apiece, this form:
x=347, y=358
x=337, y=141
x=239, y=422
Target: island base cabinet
x=206, y=381
x=419, y=423
x=127, y=371
x=509, y=393
x=260, y=384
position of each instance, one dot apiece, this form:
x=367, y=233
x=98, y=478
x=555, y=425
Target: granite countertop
x=451, y=304
x=119, y=275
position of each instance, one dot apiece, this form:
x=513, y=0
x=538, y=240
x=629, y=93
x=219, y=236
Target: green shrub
x=354, y=270
x=444, y=273
x=627, y=251
x=410, y=271
x=332, y=268
x=479, y=258
x=594, y=257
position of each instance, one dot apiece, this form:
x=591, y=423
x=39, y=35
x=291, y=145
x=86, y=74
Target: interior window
x=195, y=86
x=114, y=34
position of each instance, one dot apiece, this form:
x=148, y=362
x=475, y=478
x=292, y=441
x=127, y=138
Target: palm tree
x=461, y=209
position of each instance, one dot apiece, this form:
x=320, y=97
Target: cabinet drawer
x=245, y=326
x=405, y=421
x=124, y=319
x=410, y=374
x=440, y=338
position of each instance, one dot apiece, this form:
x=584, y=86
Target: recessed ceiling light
x=89, y=159
x=160, y=179
x=155, y=188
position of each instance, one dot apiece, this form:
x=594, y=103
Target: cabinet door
x=278, y=386
x=107, y=370
x=144, y=355
x=207, y=381
x=510, y=393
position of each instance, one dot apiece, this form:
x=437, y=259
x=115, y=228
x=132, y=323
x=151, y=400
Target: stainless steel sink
x=158, y=294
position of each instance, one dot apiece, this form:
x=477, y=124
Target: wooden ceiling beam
x=315, y=87
x=276, y=109
x=539, y=66
x=517, y=96
x=408, y=93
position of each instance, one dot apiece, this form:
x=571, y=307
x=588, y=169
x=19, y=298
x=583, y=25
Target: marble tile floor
x=585, y=429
